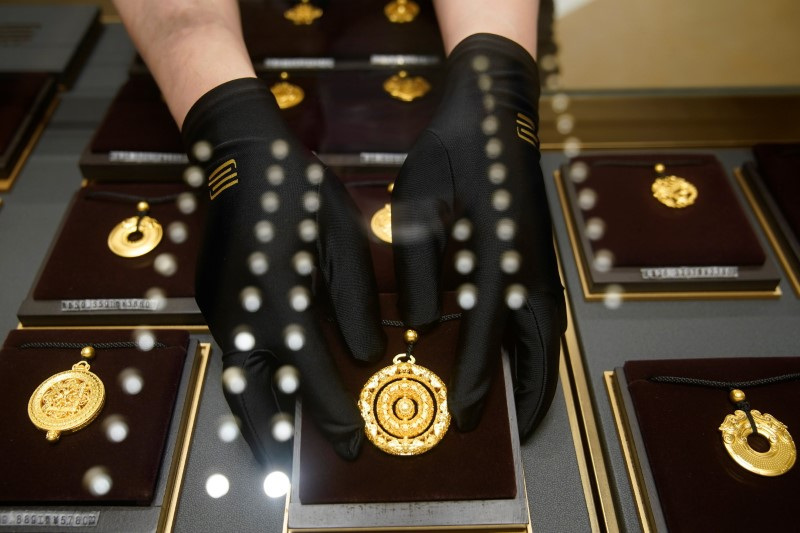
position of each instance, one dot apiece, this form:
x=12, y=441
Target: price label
x=44, y=519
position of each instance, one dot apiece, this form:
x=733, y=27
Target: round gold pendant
x=133, y=237
x=674, y=191
x=401, y=11
x=404, y=407
x=303, y=13
x=381, y=223
x=781, y=455
x=404, y=88
x=67, y=401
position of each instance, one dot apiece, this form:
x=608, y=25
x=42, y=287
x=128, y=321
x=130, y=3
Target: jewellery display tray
x=342, y=112
x=672, y=444
x=448, y=487
x=25, y=99
x=82, y=282
x=55, y=39
x=705, y=250
x=775, y=188
x=43, y=483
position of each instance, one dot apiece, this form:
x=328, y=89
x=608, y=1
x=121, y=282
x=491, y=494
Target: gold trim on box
x=632, y=464
x=643, y=295
x=180, y=455
x=7, y=183
x=769, y=231
x=190, y=328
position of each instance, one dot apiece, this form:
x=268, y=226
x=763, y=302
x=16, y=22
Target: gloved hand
x=275, y=213
x=474, y=175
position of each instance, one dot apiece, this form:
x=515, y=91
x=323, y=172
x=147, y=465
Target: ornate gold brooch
x=401, y=11
x=673, y=191
x=406, y=88
x=287, y=94
x=303, y=13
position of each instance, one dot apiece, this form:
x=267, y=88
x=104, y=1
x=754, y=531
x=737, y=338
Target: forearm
x=513, y=19
x=190, y=46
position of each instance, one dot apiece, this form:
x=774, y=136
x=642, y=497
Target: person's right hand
x=275, y=214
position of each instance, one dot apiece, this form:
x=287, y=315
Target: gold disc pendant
x=381, y=223
x=136, y=236
x=67, y=401
x=404, y=407
x=401, y=11
x=303, y=13
x=406, y=88
x=287, y=94
x=781, y=455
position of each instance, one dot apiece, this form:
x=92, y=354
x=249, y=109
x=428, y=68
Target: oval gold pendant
x=381, y=223
x=781, y=455
x=133, y=237
x=401, y=11
x=405, y=88
x=303, y=13
x=67, y=401
x=404, y=407
x=674, y=191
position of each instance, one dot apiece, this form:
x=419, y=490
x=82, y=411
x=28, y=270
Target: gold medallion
x=135, y=236
x=781, y=455
x=404, y=407
x=303, y=13
x=67, y=401
x=287, y=94
x=401, y=11
x=381, y=223
x=406, y=88
x=674, y=191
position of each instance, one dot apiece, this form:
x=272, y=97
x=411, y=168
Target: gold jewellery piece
x=736, y=428
x=381, y=221
x=404, y=405
x=136, y=236
x=303, y=13
x=68, y=401
x=287, y=94
x=673, y=191
x=401, y=11
x=406, y=88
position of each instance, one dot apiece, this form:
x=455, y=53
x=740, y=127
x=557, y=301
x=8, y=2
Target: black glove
x=477, y=167
x=269, y=198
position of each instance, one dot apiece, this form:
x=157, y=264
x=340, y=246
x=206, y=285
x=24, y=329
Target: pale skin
x=192, y=46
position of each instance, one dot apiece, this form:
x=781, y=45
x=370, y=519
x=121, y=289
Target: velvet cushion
x=81, y=265
x=700, y=487
x=464, y=466
x=779, y=166
x=18, y=93
x=642, y=232
x=36, y=471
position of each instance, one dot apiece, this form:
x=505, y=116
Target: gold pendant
x=782, y=453
x=135, y=236
x=67, y=401
x=673, y=191
x=303, y=13
x=287, y=94
x=404, y=407
x=404, y=88
x=381, y=223
x=401, y=11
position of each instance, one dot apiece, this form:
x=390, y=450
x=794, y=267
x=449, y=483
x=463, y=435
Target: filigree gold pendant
x=673, y=191
x=303, y=13
x=67, y=401
x=406, y=88
x=404, y=407
x=287, y=94
x=135, y=236
x=381, y=223
x=781, y=455
x=401, y=11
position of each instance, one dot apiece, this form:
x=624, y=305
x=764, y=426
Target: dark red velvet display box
x=24, y=101
x=36, y=471
x=624, y=237
x=775, y=183
x=342, y=112
x=698, y=486
x=83, y=283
